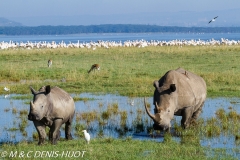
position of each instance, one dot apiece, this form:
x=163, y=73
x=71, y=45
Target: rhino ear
x=32, y=90
x=48, y=89
x=156, y=84
x=173, y=87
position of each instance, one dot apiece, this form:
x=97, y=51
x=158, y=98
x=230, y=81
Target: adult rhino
x=178, y=92
x=51, y=107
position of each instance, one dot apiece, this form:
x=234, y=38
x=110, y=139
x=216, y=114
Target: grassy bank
x=108, y=148
x=127, y=71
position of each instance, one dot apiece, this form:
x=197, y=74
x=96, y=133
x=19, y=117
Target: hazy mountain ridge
x=226, y=18
x=7, y=22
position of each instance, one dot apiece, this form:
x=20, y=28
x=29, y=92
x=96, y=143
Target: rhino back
x=62, y=104
x=191, y=87
x=196, y=82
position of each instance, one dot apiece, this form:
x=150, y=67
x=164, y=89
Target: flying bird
x=87, y=136
x=6, y=89
x=214, y=19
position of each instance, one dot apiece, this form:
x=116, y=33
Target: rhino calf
x=178, y=92
x=51, y=107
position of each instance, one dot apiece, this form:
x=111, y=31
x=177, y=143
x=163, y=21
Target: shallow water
x=135, y=125
x=119, y=37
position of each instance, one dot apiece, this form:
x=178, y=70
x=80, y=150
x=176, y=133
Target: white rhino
x=178, y=92
x=51, y=107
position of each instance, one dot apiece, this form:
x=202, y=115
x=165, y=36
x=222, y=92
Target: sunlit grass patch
x=22, y=97
x=23, y=112
x=85, y=99
x=127, y=71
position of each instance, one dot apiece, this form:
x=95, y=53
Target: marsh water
x=107, y=115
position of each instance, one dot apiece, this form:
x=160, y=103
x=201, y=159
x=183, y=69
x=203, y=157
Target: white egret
x=132, y=103
x=87, y=136
x=7, y=95
x=6, y=89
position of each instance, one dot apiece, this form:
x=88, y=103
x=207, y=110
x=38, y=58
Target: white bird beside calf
x=87, y=136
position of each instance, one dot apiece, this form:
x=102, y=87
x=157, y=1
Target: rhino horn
x=33, y=91
x=31, y=105
x=150, y=115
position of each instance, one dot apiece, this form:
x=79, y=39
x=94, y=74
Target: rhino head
x=165, y=104
x=39, y=107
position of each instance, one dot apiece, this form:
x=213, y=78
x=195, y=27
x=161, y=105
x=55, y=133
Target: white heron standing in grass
x=87, y=136
x=6, y=89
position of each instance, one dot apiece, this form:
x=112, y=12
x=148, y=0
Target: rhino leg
x=198, y=112
x=186, y=117
x=68, y=134
x=41, y=131
x=50, y=135
x=55, y=130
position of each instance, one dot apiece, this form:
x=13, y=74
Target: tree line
x=110, y=28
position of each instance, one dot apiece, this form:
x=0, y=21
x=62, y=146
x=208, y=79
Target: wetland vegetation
x=127, y=72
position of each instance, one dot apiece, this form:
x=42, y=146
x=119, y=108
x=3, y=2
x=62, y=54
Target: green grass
x=126, y=71
x=108, y=148
x=115, y=149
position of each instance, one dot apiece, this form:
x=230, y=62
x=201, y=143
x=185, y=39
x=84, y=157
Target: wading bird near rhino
x=178, y=92
x=51, y=107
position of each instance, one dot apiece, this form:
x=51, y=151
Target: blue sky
x=77, y=12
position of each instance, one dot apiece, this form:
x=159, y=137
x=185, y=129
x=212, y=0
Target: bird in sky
x=214, y=19
x=6, y=89
x=86, y=136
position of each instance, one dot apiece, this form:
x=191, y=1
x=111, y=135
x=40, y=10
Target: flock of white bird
x=111, y=44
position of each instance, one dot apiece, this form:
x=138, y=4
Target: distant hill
x=110, y=28
x=6, y=22
x=226, y=18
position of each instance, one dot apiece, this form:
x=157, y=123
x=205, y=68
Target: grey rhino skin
x=178, y=92
x=51, y=107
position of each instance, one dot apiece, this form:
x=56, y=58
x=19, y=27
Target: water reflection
x=109, y=116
